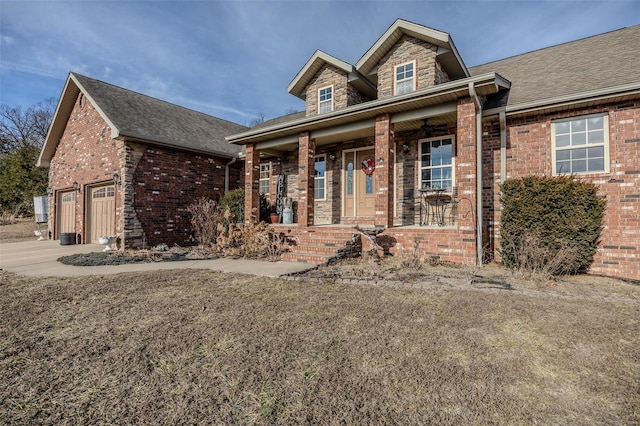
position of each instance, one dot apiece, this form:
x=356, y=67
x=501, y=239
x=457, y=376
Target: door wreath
x=368, y=166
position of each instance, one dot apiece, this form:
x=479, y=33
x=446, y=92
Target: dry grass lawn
x=22, y=230
x=202, y=347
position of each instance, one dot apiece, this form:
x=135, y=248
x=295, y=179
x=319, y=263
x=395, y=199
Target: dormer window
x=404, y=81
x=325, y=99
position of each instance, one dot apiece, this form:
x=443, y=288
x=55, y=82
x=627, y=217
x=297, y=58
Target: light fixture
x=49, y=191
x=76, y=186
x=332, y=156
x=116, y=179
x=405, y=147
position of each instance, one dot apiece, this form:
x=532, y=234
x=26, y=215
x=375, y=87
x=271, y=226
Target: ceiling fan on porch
x=427, y=128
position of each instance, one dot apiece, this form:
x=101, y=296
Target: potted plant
x=275, y=217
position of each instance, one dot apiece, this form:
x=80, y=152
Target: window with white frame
x=436, y=163
x=319, y=189
x=581, y=145
x=325, y=99
x=404, y=81
x=265, y=174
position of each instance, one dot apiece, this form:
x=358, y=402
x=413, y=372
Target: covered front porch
x=409, y=165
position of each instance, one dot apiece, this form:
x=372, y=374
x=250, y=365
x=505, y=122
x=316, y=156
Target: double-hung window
x=404, y=78
x=581, y=145
x=436, y=163
x=265, y=174
x=325, y=99
x=319, y=188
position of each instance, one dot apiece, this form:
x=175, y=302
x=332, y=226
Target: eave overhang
x=445, y=93
x=70, y=92
x=566, y=102
x=311, y=68
x=63, y=111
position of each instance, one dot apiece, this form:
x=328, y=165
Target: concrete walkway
x=38, y=258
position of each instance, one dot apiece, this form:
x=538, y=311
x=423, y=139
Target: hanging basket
x=368, y=166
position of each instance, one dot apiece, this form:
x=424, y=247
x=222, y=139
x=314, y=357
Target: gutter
x=226, y=174
x=503, y=146
x=366, y=109
x=478, y=104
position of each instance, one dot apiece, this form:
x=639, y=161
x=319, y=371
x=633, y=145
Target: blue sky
x=234, y=59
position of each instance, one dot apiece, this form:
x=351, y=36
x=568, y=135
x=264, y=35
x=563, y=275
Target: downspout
x=226, y=174
x=503, y=146
x=476, y=100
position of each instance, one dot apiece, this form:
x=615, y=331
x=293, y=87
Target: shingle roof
x=603, y=61
x=141, y=117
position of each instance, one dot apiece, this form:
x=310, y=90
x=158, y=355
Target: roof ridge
x=554, y=46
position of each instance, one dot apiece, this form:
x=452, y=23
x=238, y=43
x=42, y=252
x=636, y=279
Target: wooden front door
x=66, y=212
x=359, y=195
x=102, y=212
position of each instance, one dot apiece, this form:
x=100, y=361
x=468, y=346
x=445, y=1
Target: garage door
x=67, y=212
x=102, y=212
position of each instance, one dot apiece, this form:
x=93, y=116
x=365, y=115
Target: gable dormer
x=411, y=57
x=328, y=84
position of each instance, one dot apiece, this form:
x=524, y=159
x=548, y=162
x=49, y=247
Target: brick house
x=411, y=140
x=122, y=163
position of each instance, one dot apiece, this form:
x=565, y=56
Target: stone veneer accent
x=428, y=71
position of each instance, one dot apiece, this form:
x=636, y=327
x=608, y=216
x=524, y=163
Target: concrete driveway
x=38, y=258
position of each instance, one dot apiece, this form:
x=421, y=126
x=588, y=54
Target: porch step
x=319, y=245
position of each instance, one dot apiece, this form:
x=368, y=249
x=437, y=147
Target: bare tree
x=20, y=128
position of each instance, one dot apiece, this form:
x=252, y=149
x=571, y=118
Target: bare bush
x=413, y=258
x=206, y=216
x=535, y=259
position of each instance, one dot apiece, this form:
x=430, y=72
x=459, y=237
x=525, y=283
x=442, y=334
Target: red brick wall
x=529, y=153
x=306, y=178
x=166, y=183
x=86, y=154
x=384, y=170
x=157, y=184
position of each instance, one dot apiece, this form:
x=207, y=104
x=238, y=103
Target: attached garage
x=128, y=165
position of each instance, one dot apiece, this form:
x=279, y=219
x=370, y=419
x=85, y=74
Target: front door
x=359, y=196
x=102, y=212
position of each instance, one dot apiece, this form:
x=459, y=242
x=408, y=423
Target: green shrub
x=561, y=214
x=234, y=201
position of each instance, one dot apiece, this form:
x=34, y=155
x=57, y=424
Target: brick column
x=251, y=183
x=383, y=175
x=306, y=178
x=466, y=176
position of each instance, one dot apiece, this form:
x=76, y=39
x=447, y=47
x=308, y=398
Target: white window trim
x=324, y=178
x=605, y=143
x=267, y=179
x=328, y=100
x=453, y=158
x=396, y=81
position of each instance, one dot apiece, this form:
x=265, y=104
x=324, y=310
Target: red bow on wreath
x=368, y=166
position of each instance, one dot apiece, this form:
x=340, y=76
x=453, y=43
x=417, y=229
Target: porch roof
x=411, y=107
